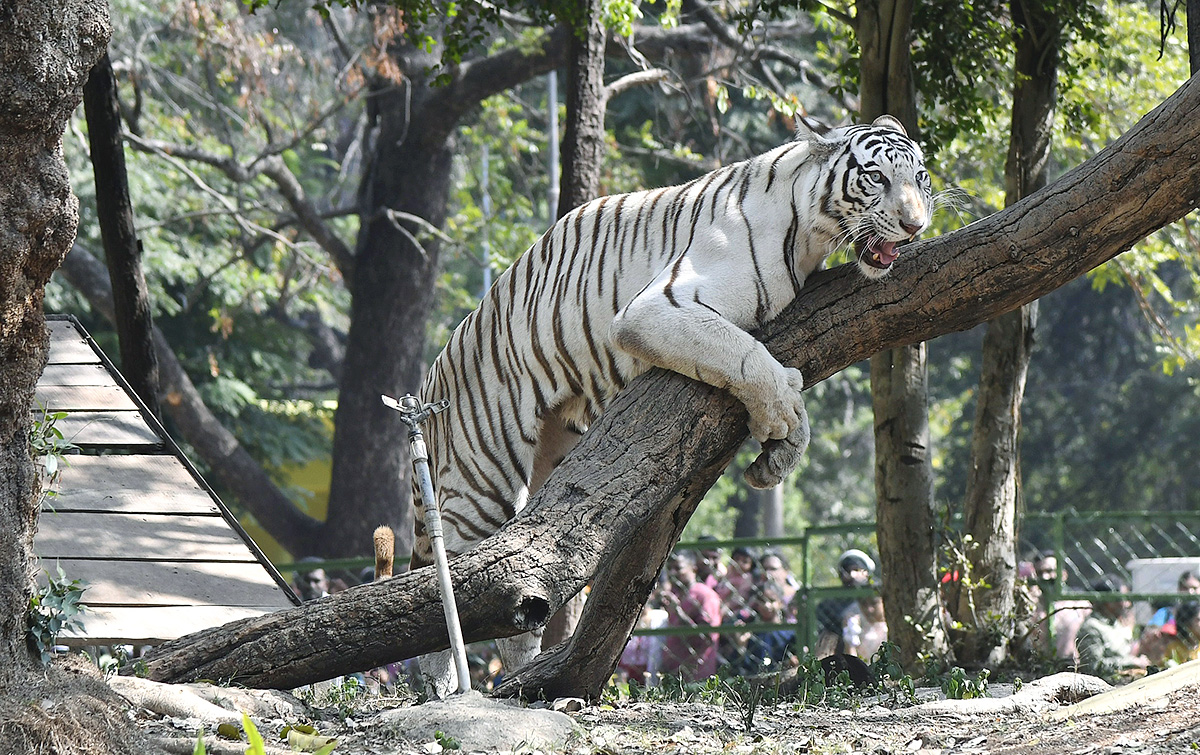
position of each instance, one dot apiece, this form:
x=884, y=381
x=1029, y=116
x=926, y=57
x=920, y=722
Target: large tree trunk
x=1193, y=31
x=394, y=277
x=904, y=505
x=122, y=250
x=993, y=480
x=46, y=51
x=393, y=296
x=649, y=458
x=583, y=140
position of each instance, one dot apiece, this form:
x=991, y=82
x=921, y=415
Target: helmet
x=855, y=559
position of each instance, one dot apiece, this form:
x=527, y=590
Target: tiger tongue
x=883, y=252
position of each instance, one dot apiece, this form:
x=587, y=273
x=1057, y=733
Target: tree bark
x=1193, y=32
x=583, y=139
x=905, y=518
x=46, y=50
x=651, y=456
x=986, y=606
x=122, y=250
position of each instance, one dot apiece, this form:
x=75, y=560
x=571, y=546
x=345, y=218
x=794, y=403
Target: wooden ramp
x=160, y=554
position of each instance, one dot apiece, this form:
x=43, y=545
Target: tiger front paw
x=777, y=459
x=778, y=410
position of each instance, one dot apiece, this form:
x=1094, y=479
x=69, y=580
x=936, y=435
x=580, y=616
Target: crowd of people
x=750, y=601
x=1100, y=636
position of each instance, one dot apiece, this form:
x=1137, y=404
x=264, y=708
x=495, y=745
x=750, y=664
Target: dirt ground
x=72, y=712
x=1170, y=725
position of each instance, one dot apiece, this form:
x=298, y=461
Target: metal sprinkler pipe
x=413, y=413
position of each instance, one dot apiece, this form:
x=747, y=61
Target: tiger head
x=879, y=191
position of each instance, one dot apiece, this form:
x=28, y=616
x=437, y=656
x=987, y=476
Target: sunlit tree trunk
x=122, y=250
x=905, y=516
x=46, y=51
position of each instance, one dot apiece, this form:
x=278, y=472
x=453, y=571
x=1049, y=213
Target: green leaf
x=257, y=747
x=722, y=99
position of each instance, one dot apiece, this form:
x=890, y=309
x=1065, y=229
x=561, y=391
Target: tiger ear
x=808, y=128
x=889, y=121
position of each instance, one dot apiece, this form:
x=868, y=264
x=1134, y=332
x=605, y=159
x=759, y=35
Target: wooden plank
x=77, y=374
x=170, y=583
x=163, y=537
x=67, y=344
x=119, y=625
x=131, y=484
x=121, y=429
x=86, y=398
x=132, y=502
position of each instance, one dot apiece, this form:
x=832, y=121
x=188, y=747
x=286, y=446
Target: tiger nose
x=910, y=228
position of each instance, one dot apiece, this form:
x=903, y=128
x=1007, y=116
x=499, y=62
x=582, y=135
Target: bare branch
x=638, y=78
x=273, y=168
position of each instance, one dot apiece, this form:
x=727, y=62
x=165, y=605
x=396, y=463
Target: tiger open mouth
x=876, y=252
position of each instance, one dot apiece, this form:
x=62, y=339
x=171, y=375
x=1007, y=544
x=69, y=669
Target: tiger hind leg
x=438, y=674
x=518, y=651
x=778, y=457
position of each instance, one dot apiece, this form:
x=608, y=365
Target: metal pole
x=487, y=222
x=552, y=106
x=413, y=413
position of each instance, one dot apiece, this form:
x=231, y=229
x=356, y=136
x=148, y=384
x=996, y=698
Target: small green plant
x=747, y=694
x=446, y=741
x=257, y=746
x=49, y=447
x=54, y=609
x=890, y=676
x=811, y=687
x=958, y=686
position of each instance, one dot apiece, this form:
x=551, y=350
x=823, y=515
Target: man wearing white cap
x=854, y=569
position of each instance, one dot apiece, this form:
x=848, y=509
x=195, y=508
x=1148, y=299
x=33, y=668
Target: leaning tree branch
x=638, y=473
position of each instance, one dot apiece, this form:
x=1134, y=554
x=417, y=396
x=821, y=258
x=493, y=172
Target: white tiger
x=671, y=277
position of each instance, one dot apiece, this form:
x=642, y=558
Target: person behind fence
x=1187, y=584
x=774, y=567
x=712, y=571
x=311, y=584
x=770, y=649
x=689, y=603
x=1184, y=642
x=743, y=567
x=642, y=657
x=1105, y=642
x=741, y=575
x=866, y=629
x=1161, y=629
x=1036, y=576
x=854, y=569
